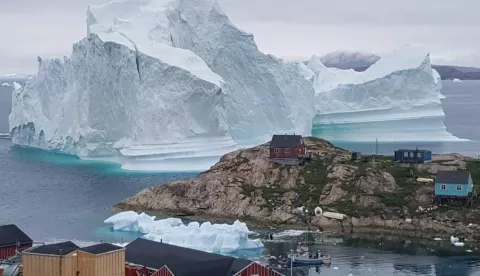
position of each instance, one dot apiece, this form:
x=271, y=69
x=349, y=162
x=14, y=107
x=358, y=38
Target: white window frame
x=405, y=154
x=275, y=150
x=287, y=150
x=459, y=186
x=443, y=187
x=412, y=154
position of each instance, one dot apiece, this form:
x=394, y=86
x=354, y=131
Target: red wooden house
x=12, y=239
x=161, y=259
x=287, y=149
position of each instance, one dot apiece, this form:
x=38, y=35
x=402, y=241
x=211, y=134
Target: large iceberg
x=173, y=85
x=396, y=99
x=218, y=238
x=157, y=82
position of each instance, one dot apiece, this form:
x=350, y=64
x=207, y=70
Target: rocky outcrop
x=376, y=196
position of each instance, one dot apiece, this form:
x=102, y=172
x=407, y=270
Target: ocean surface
x=52, y=196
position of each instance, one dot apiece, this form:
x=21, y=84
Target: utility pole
x=376, y=152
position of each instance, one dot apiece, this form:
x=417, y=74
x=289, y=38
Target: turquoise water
x=55, y=196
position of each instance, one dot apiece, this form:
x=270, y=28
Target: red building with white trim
x=287, y=149
x=12, y=239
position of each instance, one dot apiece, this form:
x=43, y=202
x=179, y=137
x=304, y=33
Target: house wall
x=132, y=271
x=413, y=156
x=10, y=251
x=48, y=265
x=451, y=189
x=164, y=271
x=110, y=264
x=255, y=269
x=85, y=263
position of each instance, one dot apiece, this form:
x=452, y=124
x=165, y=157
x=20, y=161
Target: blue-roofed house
x=413, y=156
x=454, y=186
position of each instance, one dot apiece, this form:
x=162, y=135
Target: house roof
x=452, y=177
x=413, y=150
x=59, y=249
x=101, y=248
x=11, y=235
x=285, y=141
x=180, y=260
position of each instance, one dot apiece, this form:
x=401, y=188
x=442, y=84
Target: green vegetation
x=315, y=176
x=474, y=168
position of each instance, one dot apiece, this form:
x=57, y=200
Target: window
x=405, y=154
x=459, y=187
x=419, y=154
x=287, y=150
x=443, y=187
x=411, y=154
x=276, y=150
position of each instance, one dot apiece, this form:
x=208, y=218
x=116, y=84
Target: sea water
x=53, y=196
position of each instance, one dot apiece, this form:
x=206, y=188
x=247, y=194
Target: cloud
x=448, y=28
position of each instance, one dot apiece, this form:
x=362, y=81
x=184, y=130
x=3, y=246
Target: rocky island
x=376, y=195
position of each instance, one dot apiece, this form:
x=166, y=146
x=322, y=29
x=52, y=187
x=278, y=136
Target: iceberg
x=156, y=83
x=217, y=238
x=395, y=99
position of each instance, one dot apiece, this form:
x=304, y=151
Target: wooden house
x=12, y=239
x=413, y=156
x=287, y=149
x=161, y=259
x=67, y=259
x=454, y=187
x=57, y=259
x=101, y=260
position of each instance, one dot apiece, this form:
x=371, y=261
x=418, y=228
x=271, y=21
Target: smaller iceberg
x=216, y=238
x=456, y=80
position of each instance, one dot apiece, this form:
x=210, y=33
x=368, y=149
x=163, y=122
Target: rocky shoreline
x=378, y=197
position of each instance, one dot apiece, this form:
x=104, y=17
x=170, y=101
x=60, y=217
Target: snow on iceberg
x=396, y=99
x=156, y=76
x=218, y=238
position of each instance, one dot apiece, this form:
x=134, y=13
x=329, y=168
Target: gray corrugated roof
x=59, y=249
x=11, y=235
x=180, y=260
x=100, y=248
x=452, y=177
x=285, y=141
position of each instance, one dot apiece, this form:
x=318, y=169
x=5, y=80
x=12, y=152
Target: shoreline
x=418, y=229
x=376, y=195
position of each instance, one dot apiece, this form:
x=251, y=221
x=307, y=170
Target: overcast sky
x=289, y=28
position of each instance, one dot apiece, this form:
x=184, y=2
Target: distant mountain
x=361, y=61
x=349, y=60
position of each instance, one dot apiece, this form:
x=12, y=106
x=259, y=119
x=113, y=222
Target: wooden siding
x=288, y=152
x=10, y=251
x=255, y=269
x=132, y=271
x=108, y=264
x=164, y=271
x=49, y=265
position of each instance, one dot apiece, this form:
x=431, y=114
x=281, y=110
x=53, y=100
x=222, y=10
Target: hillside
x=375, y=196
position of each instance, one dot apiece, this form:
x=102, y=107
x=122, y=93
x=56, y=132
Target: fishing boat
x=304, y=257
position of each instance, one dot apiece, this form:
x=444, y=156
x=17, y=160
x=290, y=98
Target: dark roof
x=59, y=249
x=286, y=141
x=100, y=248
x=11, y=235
x=413, y=150
x=180, y=260
x=452, y=177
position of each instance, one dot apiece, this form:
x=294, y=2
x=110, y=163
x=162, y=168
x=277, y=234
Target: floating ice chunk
x=456, y=80
x=437, y=239
x=220, y=238
x=6, y=84
x=16, y=85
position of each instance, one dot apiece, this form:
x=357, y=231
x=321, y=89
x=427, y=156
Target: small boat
x=305, y=258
